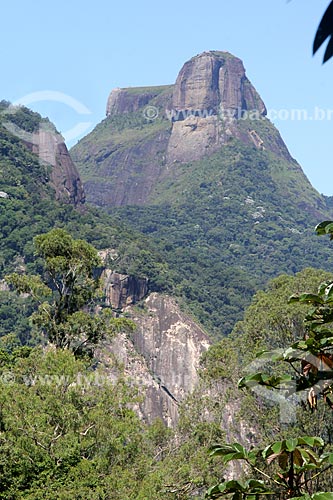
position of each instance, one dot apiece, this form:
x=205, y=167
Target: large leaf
x=325, y=227
x=233, y=451
x=291, y=444
x=324, y=31
x=327, y=457
x=311, y=441
x=322, y=496
x=269, y=381
x=251, y=488
x=302, y=457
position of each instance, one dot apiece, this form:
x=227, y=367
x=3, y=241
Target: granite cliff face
x=65, y=178
x=149, y=129
x=162, y=356
x=211, y=93
x=131, y=100
x=121, y=290
x=214, y=79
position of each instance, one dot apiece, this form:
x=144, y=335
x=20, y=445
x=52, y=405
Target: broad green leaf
x=311, y=441
x=233, y=456
x=274, y=448
x=327, y=457
x=303, y=497
x=252, y=487
x=229, y=452
x=324, y=227
x=291, y=444
x=271, y=382
x=310, y=298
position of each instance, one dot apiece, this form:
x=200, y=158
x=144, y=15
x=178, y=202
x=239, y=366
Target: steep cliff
x=121, y=290
x=162, y=356
x=124, y=156
x=27, y=129
x=49, y=146
x=132, y=99
x=211, y=93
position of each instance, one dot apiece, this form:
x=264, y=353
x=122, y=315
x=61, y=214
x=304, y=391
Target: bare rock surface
x=212, y=79
x=162, y=356
x=211, y=93
x=65, y=178
x=121, y=290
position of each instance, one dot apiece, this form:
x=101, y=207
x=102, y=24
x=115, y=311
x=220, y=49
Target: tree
x=67, y=293
x=67, y=431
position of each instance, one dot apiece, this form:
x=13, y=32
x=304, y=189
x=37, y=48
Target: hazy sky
x=84, y=49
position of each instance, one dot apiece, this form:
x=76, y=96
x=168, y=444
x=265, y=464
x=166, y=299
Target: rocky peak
x=65, y=179
x=214, y=80
x=211, y=103
x=212, y=92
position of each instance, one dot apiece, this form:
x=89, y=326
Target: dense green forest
x=29, y=208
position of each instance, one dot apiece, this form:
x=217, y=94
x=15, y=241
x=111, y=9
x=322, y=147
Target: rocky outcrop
x=211, y=93
x=65, y=178
x=171, y=345
x=193, y=138
x=162, y=356
x=213, y=80
x=128, y=174
x=121, y=290
x=132, y=99
x=124, y=162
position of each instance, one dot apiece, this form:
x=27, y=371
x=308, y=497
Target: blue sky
x=84, y=49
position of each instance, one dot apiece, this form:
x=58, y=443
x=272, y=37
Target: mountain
x=149, y=130
x=200, y=170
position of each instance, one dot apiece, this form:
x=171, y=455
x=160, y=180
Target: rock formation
x=162, y=356
x=212, y=80
x=210, y=94
x=208, y=105
x=121, y=290
x=131, y=100
x=65, y=179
